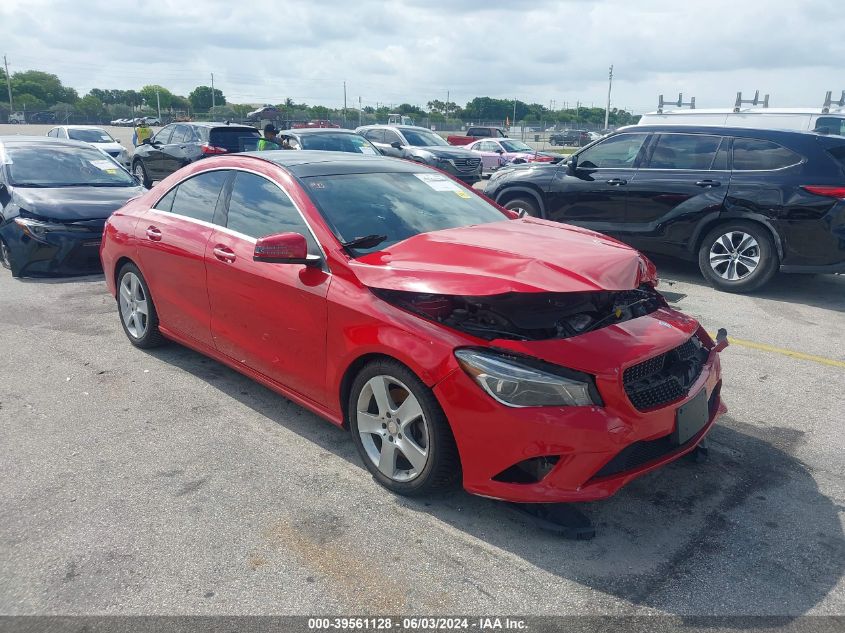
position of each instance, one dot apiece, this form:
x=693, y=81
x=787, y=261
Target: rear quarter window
x=752, y=154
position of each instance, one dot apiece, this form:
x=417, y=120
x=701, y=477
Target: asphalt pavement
x=162, y=482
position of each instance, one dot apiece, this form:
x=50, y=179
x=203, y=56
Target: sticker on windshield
x=438, y=182
x=105, y=138
x=105, y=165
x=368, y=150
x=462, y=194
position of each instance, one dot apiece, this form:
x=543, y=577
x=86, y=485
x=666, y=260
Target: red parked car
x=533, y=361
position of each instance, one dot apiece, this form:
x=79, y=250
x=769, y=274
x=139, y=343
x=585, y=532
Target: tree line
x=35, y=91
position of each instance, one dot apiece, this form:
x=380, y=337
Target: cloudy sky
x=393, y=51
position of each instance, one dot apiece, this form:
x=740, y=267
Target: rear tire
x=738, y=256
x=523, y=204
x=140, y=172
x=413, y=456
x=136, y=309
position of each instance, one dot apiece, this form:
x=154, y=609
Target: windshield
x=421, y=138
x=516, y=146
x=396, y=206
x=352, y=143
x=63, y=166
x=90, y=136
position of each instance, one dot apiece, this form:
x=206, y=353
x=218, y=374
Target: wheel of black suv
x=140, y=172
x=400, y=430
x=523, y=205
x=137, y=311
x=738, y=257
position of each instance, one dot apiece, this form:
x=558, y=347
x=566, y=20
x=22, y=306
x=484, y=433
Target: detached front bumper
x=575, y=453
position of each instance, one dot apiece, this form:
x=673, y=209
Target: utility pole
x=514, y=112
x=344, y=104
x=447, y=104
x=158, y=105
x=360, y=111
x=8, y=85
x=609, y=85
x=212, y=91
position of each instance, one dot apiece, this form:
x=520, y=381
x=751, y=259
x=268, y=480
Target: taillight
x=826, y=191
x=212, y=149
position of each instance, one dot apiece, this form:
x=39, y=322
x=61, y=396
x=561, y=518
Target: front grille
x=640, y=453
x=466, y=164
x=665, y=378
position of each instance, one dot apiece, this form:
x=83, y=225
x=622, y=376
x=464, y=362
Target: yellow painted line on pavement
x=785, y=352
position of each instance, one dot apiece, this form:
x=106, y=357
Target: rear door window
x=751, y=154
x=182, y=134
x=619, y=151
x=197, y=197
x=684, y=151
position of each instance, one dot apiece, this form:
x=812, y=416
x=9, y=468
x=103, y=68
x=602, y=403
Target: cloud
x=417, y=50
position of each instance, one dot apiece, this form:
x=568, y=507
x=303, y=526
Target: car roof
x=317, y=130
x=732, y=131
x=394, y=127
x=14, y=139
x=304, y=163
x=213, y=124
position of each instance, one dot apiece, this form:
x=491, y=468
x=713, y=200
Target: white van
x=830, y=118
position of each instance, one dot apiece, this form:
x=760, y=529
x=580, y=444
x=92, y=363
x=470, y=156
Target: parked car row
x=95, y=136
x=149, y=120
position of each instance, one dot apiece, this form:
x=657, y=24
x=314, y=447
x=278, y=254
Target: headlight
x=517, y=384
x=36, y=229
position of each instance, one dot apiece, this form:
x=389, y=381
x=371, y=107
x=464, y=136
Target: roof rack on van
x=755, y=101
x=828, y=102
x=680, y=102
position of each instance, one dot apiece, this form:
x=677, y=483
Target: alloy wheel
x=734, y=255
x=138, y=171
x=134, y=309
x=393, y=428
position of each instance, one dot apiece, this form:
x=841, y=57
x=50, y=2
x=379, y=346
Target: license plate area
x=690, y=418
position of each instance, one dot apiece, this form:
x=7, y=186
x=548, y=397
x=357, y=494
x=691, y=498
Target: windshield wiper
x=368, y=241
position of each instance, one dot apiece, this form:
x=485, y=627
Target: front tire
x=523, y=205
x=137, y=311
x=5, y=255
x=400, y=430
x=140, y=172
x=738, y=257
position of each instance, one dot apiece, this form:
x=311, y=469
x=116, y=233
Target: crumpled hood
x=526, y=255
x=74, y=203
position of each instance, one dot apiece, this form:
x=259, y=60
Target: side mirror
x=284, y=248
x=500, y=151
x=4, y=193
x=572, y=165
x=147, y=141
x=396, y=145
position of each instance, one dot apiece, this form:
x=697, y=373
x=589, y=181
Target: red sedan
x=534, y=361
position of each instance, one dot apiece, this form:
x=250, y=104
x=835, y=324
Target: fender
x=726, y=216
x=535, y=194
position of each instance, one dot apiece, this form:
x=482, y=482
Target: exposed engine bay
x=529, y=316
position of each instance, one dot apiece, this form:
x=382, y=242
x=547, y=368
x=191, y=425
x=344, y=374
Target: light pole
x=9, y=85
x=609, y=85
x=213, y=104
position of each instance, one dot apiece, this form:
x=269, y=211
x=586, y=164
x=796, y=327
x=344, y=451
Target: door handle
x=707, y=183
x=615, y=182
x=154, y=234
x=224, y=254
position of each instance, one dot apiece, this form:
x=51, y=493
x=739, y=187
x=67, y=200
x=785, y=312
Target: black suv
x=179, y=144
x=744, y=203
x=424, y=146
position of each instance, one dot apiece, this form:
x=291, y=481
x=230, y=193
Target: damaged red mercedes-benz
x=533, y=361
